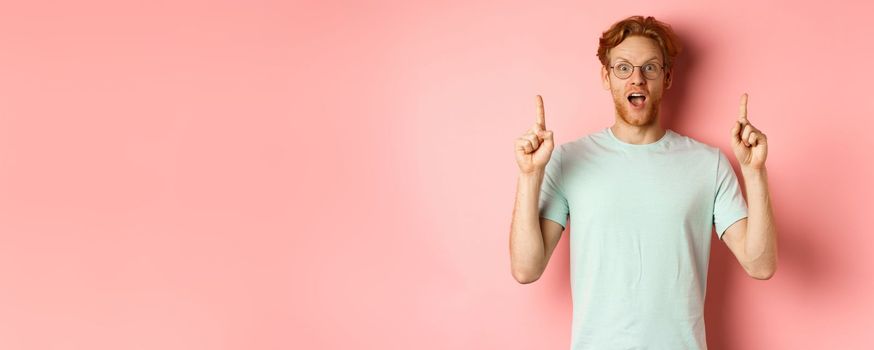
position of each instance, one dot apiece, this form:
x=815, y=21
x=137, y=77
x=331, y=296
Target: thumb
x=735, y=133
x=546, y=135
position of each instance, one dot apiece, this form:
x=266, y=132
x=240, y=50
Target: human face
x=636, y=50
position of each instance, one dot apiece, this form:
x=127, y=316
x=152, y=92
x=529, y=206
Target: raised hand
x=534, y=148
x=750, y=145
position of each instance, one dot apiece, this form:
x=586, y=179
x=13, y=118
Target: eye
x=650, y=67
x=623, y=67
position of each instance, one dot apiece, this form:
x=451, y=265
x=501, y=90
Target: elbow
x=525, y=277
x=763, y=273
x=763, y=267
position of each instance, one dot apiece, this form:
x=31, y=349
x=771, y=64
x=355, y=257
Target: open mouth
x=636, y=99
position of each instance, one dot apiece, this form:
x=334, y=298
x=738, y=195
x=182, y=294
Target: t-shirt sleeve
x=729, y=205
x=553, y=203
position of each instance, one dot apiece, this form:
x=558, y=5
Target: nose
x=637, y=78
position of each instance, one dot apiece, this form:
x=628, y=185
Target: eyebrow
x=650, y=59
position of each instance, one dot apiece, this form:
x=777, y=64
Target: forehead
x=636, y=49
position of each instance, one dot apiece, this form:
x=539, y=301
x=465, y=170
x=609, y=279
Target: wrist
x=750, y=171
x=535, y=176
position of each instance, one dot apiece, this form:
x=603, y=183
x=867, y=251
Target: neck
x=637, y=134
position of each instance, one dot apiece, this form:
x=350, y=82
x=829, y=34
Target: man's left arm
x=753, y=240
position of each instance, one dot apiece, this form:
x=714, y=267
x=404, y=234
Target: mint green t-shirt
x=640, y=245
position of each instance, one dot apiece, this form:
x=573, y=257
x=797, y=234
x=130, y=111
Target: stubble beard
x=650, y=118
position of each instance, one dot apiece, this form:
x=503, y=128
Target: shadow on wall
x=673, y=111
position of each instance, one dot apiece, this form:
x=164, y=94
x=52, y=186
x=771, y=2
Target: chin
x=642, y=118
x=646, y=117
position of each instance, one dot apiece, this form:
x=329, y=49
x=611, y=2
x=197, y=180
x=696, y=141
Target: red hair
x=647, y=27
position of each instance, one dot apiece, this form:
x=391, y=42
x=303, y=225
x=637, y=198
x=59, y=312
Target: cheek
x=617, y=95
x=658, y=92
x=616, y=89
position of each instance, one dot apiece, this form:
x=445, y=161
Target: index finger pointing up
x=541, y=118
x=742, y=117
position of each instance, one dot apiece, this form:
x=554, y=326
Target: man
x=643, y=201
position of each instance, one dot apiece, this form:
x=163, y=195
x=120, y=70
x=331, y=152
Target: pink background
x=325, y=175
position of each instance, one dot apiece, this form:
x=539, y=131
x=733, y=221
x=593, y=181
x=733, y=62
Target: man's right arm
x=532, y=238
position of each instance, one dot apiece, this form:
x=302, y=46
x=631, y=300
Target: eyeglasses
x=650, y=70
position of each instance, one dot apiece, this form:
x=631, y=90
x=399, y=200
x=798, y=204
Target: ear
x=605, y=78
x=669, y=78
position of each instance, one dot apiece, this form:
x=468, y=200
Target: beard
x=651, y=113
